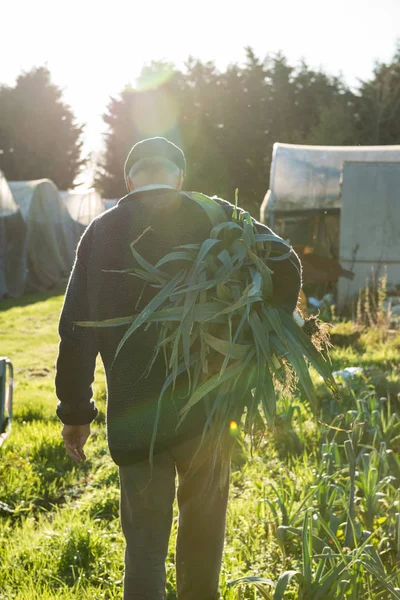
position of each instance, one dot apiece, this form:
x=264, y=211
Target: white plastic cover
x=110, y=203
x=12, y=244
x=7, y=203
x=83, y=205
x=305, y=178
x=52, y=233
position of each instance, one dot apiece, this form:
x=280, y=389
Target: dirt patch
x=38, y=372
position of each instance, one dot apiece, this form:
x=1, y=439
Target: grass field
x=314, y=509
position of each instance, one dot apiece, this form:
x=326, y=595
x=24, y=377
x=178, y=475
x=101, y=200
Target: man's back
x=157, y=221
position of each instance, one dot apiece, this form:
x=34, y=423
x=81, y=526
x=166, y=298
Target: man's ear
x=180, y=181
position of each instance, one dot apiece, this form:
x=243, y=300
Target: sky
x=93, y=48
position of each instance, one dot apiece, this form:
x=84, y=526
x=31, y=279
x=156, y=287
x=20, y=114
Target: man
x=98, y=290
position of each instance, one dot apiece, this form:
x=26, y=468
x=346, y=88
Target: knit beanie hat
x=154, y=147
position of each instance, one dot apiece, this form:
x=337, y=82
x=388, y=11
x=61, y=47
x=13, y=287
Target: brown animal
x=320, y=269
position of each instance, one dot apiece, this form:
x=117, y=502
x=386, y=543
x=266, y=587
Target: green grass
x=59, y=530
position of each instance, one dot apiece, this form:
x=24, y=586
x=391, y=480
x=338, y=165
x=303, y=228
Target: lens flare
x=233, y=428
x=154, y=76
x=155, y=112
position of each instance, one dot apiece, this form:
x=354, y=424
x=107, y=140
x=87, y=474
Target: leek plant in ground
x=217, y=323
x=328, y=571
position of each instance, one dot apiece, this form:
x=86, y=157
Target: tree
x=379, y=105
x=39, y=137
x=226, y=122
x=338, y=125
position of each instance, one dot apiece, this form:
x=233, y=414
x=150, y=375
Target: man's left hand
x=75, y=437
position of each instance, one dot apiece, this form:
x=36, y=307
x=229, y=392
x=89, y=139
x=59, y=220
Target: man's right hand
x=75, y=437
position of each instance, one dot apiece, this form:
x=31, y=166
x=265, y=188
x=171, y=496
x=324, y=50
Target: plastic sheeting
x=13, y=240
x=84, y=205
x=52, y=235
x=307, y=178
x=110, y=203
x=369, y=225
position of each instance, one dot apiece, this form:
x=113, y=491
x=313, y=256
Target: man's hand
x=75, y=437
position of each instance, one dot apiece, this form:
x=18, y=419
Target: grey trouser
x=146, y=517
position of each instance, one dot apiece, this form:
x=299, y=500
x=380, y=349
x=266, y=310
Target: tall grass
x=312, y=507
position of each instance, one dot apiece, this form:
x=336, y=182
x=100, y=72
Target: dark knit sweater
x=94, y=293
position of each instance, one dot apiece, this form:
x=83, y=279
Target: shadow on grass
x=28, y=299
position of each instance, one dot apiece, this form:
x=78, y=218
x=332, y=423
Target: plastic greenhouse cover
x=308, y=177
x=13, y=244
x=83, y=205
x=52, y=234
x=8, y=206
